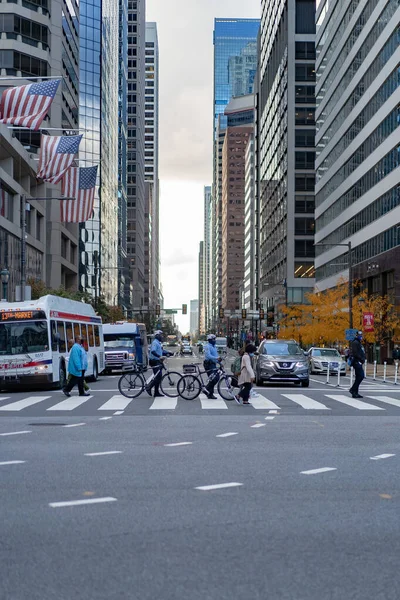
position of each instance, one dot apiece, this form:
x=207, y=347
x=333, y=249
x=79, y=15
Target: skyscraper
x=205, y=295
x=357, y=190
x=235, y=57
x=194, y=316
x=285, y=153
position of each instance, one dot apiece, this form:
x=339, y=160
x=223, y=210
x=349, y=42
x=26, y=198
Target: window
x=304, y=204
x=304, y=183
x=305, y=50
x=305, y=16
x=304, y=138
x=304, y=72
x=304, y=226
x=90, y=335
x=53, y=329
x=77, y=331
x=304, y=270
x=96, y=335
x=85, y=336
x=304, y=160
x=39, y=226
x=61, y=335
x=69, y=335
x=305, y=116
x=304, y=248
x=304, y=94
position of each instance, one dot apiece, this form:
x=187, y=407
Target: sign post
x=350, y=334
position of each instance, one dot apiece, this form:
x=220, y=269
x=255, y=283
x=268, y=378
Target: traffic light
x=262, y=314
x=184, y=309
x=221, y=313
x=158, y=310
x=244, y=313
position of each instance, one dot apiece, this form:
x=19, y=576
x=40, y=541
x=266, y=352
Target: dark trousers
x=359, y=376
x=157, y=370
x=212, y=379
x=245, y=392
x=75, y=381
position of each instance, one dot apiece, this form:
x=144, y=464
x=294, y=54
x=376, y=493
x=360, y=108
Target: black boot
x=157, y=393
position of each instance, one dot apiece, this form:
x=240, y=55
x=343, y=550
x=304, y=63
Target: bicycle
x=192, y=384
x=133, y=383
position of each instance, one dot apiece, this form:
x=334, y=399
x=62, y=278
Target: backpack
x=236, y=366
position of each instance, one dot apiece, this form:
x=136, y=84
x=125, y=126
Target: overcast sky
x=185, y=35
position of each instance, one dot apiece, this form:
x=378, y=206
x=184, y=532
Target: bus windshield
x=23, y=337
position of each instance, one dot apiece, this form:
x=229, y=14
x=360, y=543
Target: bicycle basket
x=189, y=369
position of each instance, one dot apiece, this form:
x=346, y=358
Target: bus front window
x=23, y=337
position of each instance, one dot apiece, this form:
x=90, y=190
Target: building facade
x=235, y=57
x=194, y=317
x=205, y=298
x=37, y=42
x=201, y=288
x=285, y=141
x=358, y=163
x=250, y=297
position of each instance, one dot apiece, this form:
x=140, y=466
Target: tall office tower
x=194, y=316
x=205, y=297
x=152, y=254
x=357, y=166
x=135, y=286
x=38, y=42
x=123, y=263
x=285, y=153
x=201, y=288
x=98, y=114
x=234, y=44
x=250, y=299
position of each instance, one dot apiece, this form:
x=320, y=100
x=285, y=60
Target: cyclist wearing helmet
x=155, y=360
x=211, y=360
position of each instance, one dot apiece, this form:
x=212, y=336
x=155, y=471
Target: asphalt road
x=308, y=509
x=106, y=400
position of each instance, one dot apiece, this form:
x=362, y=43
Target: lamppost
x=350, y=266
x=5, y=276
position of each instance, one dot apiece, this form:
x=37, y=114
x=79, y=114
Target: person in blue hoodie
x=76, y=368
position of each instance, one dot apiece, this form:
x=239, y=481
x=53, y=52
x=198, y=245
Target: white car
x=320, y=358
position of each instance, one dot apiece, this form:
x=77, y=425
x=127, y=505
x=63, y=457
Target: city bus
x=172, y=340
x=37, y=335
x=125, y=344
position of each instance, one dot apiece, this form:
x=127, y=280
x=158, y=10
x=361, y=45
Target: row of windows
x=304, y=94
x=371, y=213
x=304, y=248
x=304, y=226
x=383, y=93
x=31, y=32
x=304, y=183
x=304, y=138
x=304, y=72
x=64, y=335
x=33, y=5
x=28, y=65
x=385, y=166
x=304, y=204
x=304, y=116
x=304, y=270
x=305, y=50
x=381, y=243
x=380, y=61
x=379, y=135
x=304, y=160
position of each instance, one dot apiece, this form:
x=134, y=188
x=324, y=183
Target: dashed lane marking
x=15, y=433
x=381, y=456
x=75, y=425
x=317, y=471
x=229, y=434
x=103, y=453
x=81, y=502
x=179, y=444
x=218, y=486
x=11, y=462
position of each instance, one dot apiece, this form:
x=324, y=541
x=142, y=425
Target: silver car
x=320, y=358
x=281, y=361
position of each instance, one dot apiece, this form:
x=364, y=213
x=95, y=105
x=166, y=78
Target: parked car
x=320, y=358
x=281, y=361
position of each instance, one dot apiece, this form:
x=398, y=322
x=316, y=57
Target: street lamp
x=348, y=245
x=5, y=276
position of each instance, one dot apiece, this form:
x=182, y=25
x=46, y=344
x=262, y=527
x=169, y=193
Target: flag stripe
x=27, y=105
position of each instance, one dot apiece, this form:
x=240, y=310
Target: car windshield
x=325, y=352
x=23, y=337
x=281, y=349
x=118, y=342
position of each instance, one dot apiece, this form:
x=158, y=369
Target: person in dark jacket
x=358, y=356
x=396, y=354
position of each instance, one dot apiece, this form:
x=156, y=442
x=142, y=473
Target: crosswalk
x=327, y=403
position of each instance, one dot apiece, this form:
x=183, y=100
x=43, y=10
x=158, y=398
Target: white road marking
x=386, y=399
x=208, y=404
x=179, y=444
x=262, y=403
x=273, y=412
x=15, y=432
x=116, y=403
x=80, y=502
x=30, y=401
x=74, y=425
x=353, y=402
x=224, y=435
x=164, y=403
x=218, y=486
x=4, y=398
x=70, y=403
x=381, y=456
x=103, y=453
x=105, y=418
x=316, y=471
x=118, y=412
x=306, y=402
x=269, y=418
x=258, y=425
x=12, y=462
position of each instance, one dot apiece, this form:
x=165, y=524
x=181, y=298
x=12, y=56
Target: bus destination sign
x=22, y=315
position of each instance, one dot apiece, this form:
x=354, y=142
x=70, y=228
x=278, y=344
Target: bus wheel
x=62, y=377
x=95, y=371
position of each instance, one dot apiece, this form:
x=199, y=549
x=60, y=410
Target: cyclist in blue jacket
x=211, y=360
x=156, y=356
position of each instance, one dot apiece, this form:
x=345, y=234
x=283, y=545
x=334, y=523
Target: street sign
x=350, y=334
x=170, y=311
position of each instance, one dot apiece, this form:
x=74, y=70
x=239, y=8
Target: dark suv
x=281, y=361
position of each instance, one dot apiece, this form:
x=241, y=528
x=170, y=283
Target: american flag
x=78, y=183
x=27, y=105
x=56, y=156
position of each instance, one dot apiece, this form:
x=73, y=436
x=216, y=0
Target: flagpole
x=49, y=128
x=28, y=77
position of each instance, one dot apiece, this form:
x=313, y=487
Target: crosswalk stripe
x=261, y=403
x=116, y=403
x=208, y=404
x=70, y=403
x=30, y=401
x=353, y=402
x=4, y=398
x=386, y=399
x=306, y=402
x=164, y=403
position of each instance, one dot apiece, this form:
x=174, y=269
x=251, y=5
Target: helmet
x=158, y=332
x=211, y=337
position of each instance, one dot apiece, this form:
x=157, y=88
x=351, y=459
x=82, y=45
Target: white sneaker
x=253, y=394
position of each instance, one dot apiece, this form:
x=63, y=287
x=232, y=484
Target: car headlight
x=301, y=364
x=131, y=356
x=267, y=364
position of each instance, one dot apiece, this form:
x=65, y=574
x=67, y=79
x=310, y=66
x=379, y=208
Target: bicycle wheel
x=189, y=387
x=225, y=388
x=131, y=385
x=169, y=384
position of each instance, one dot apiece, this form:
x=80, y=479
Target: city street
x=258, y=503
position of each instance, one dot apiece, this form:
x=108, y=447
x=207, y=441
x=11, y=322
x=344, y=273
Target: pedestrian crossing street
x=327, y=403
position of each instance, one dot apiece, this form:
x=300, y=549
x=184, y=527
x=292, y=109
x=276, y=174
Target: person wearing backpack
x=247, y=375
x=236, y=367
